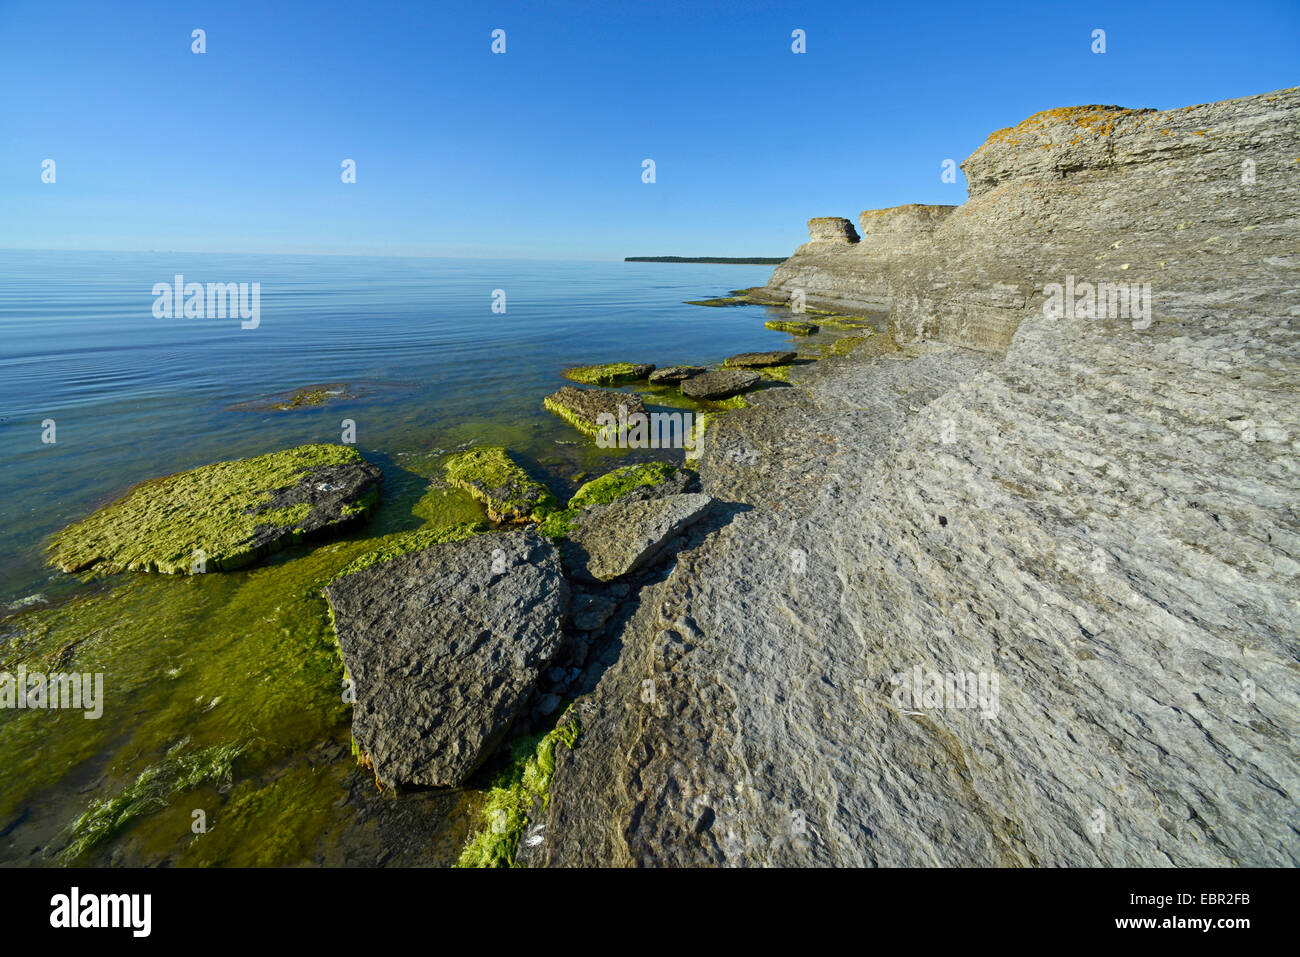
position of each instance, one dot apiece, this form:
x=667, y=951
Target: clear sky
x=538, y=152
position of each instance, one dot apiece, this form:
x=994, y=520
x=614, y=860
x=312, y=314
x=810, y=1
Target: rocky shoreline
x=1097, y=510
x=1093, y=513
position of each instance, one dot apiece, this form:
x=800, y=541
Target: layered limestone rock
x=831, y=229
x=976, y=607
x=1102, y=193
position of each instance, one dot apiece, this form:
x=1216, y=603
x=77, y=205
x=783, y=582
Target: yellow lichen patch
x=1099, y=120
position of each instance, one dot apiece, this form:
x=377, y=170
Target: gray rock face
x=624, y=536
x=720, y=384
x=759, y=360
x=1167, y=187
x=443, y=647
x=675, y=373
x=1102, y=518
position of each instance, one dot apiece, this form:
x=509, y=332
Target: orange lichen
x=1099, y=120
x=907, y=207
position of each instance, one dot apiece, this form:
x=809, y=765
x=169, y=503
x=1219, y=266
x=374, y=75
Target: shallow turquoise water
x=134, y=396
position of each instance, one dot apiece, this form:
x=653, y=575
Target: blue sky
x=537, y=153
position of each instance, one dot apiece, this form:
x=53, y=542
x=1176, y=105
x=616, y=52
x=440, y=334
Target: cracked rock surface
x=443, y=647
x=1100, y=515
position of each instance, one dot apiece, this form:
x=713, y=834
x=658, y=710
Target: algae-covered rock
x=793, y=328
x=581, y=407
x=443, y=647
x=222, y=516
x=675, y=374
x=756, y=360
x=501, y=484
x=720, y=302
x=721, y=384
x=611, y=373
x=638, y=482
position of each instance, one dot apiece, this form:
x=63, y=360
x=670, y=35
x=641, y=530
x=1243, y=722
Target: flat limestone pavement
x=1097, y=512
x=443, y=647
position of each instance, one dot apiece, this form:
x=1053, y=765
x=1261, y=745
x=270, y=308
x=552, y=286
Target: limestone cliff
x=1098, y=512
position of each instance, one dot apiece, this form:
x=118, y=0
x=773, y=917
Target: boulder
x=581, y=408
x=643, y=481
x=443, y=647
x=793, y=328
x=675, y=373
x=720, y=384
x=223, y=516
x=508, y=492
x=757, y=360
x=611, y=373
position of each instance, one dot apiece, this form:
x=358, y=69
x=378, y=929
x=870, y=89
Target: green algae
x=793, y=328
x=614, y=485
x=312, y=396
x=286, y=813
x=519, y=792
x=215, y=510
x=506, y=490
x=181, y=769
x=610, y=373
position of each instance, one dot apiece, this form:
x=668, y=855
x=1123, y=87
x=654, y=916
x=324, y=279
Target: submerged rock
x=675, y=374
x=307, y=397
x=721, y=384
x=611, y=373
x=222, y=516
x=581, y=407
x=617, y=539
x=756, y=360
x=508, y=492
x=443, y=648
x=721, y=301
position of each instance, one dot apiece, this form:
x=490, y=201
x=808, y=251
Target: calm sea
x=132, y=396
